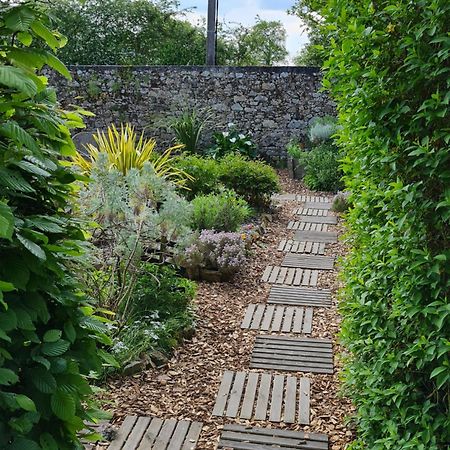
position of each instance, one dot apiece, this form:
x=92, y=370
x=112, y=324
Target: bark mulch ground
x=187, y=387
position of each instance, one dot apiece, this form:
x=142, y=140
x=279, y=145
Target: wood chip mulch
x=187, y=387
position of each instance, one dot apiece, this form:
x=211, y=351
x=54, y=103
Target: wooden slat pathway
x=284, y=197
x=291, y=246
x=278, y=318
x=316, y=236
x=241, y=437
x=331, y=220
x=292, y=354
x=152, y=433
x=312, y=212
x=307, y=226
x=298, y=296
x=263, y=396
x=290, y=276
x=318, y=205
x=312, y=198
x=308, y=261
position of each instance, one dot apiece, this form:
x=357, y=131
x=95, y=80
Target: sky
x=245, y=11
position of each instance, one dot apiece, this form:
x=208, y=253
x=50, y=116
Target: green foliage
x=160, y=312
x=261, y=44
x=294, y=149
x=124, y=32
x=48, y=329
x=254, y=181
x=389, y=73
x=188, y=128
x=232, y=141
x=204, y=173
x=322, y=168
x=221, y=212
x=322, y=129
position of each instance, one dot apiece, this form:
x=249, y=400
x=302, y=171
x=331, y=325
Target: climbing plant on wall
x=390, y=75
x=48, y=329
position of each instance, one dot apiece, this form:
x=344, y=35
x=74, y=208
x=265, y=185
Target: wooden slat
x=300, y=261
x=265, y=326
x=317, y=205
x=290, y=400
x=241, y=437
x=290, y=246
x=307, y=324
x=135, y=437
x=266, y=273
x=281, y=275
x=316, y=236
x=263, y=397
x=179, y=435
x=274, y=274
x=298, y=320
x=304, y=401
x=299, y=296
x=290, y=276
x=278, y=318
x=163, y=438
x=249, y=396
x=151, y=433
x=257, y=316
x=288, y=317
x=331, y=220
x=192, y=436
x=123, y=433
x=277, y=399
x=248, y=316
x=222, y=396
x=236, y=394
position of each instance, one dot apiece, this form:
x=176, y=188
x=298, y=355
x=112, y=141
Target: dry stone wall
x=276, y=104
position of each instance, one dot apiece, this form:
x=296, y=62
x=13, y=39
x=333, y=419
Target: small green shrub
x=188, y=128
x=204, y=173
x=255, y=181
x=221, y=212
x=322, y=168
x=294, y=149
x=159, y=289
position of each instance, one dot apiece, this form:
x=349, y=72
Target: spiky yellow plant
x=126, y=150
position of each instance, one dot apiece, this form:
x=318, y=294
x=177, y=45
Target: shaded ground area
x=187, y=387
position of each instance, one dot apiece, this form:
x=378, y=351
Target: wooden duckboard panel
x=278, y=318
x=331, y=220
x=312, y=198
x=306, y=226
x=291, y=246
x=152, y=433
x=316, y=236
x=284, y=353
x=284, y=197
x=263, y=396
x=290, y=276
x=298, y=296
x=318, y=205
x=312, y=212
x=240, y=437
x=308, y=261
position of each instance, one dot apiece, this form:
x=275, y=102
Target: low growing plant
x=224, y=211
x=322, y=129
x=255, y=181
x=232, y=141
x=322, y=168
x=188, y=128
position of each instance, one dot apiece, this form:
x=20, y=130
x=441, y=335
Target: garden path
x=279, y=320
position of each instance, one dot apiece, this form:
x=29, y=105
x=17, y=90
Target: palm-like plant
x=126, y=150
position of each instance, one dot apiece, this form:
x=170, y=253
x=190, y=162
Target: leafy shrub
x=162, y=292
x=204, y=175
x=134, y=214
x=255, y=181
x=294, y=149
x=124, y=151
x=389, y=73
x=232, y=141
x=188, y=128
x=48, y=329
x=322, y=129
x=221, y=212
x=341, y=202
x=322, y=168
x=221, y=251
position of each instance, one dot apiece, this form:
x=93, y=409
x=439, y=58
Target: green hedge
x=389, y=74
x=48, y=330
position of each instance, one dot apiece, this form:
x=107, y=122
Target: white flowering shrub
x=232, y=141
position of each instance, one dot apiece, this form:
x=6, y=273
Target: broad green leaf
x=43, y=380
x=32, y=247
x=63, y=405
x=25, y=38
x=25, y=402
x=16, y=78
x=44, y=33
x=6, y=221
x=55, y=348
x=52, y=335
x=58, y=65
x=19, y=19
x=15, y=132
x=8, y=377
x=48, y=442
